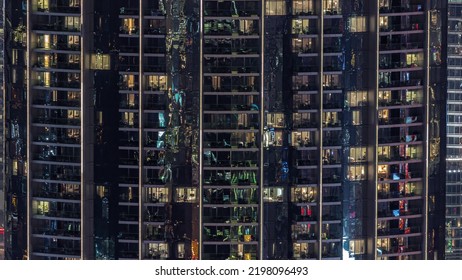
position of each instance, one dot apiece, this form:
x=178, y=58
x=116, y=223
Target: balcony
x=58, y=9
x=58, y=215
x=57, y=252
x=395, y=214
x=307, y=163
x=59, y=46
x=239, y=164
x=398, y=84
x=401, y=46
x=57, y=195
x=400, y=176
x=234, y=70
x=401, y=66
x=56, y=121
x=404, y=120
x=399, y=103
x=399, y=28
x=305, y=124
x=231, y=107
x=230, y=126
x=56, y=27
x=68, y=234
x=413, y=231
x=401, y=9
x=70, y=103
x=399, y=250
x=229, y=201
x=55, y=85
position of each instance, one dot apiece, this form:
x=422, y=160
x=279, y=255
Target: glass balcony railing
x=57, y=195
x=399, y=27
x=222, y=125
x=401, y=9
x=398, y=231
x=57, y=121
x=56, y=232
x=60, y=46
x=399, y=102
x=404, y=120
x=59, y=214
x=58, y=251
x=231, y=107
x=55, y=84
x=400, y=249
x=389, y=84
x=53, y=8
x=402, y=46
x=56, y=27
x=399, y=213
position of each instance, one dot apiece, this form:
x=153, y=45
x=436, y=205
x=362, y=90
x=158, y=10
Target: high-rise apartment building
x=220, y=129
x=2, y=198
x=454, y=140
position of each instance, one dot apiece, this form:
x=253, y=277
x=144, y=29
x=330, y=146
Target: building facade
x=206, y=129
x=454, y=158
x=2, y=198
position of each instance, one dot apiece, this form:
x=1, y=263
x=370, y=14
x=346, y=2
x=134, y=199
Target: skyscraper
x=2, y=198
x=454, y=158
x=161, y=129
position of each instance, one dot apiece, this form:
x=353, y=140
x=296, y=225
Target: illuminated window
x=332, y=7
x=72, y=23
x=357, y=24
x=156, y=195
x=185, y=195
x=43, y=5
x=101, y=191
x=275, y=120
x=303, y=45
x=303, y=195
x=129, y=26
x=275, y=7
x=129, y=118
x=414, y=59
x=156, y=82
x=41, y=207
x=303, y=26
x=73, y=114
x=180, y=250
x=356, y=116
x=357, y=154
x=157, y=250
x=100, y=62
x=357, y=247
x=356, y=173
x=273, y=194
x=302, y=7
x=14, y=56
x=383, y=23
x=15, y=167
x=73, y=42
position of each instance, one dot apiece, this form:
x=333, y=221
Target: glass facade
x=2, y=196
x=454, y=156
x=225, y=129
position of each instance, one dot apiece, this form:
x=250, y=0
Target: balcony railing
x=59, y=9
x=397, y=231
x=398, y=213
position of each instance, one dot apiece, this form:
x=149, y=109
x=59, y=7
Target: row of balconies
x=401, y=27
x=54, y=8
x=148, y=12
x=227, y=28
x=402, y=9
